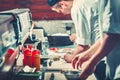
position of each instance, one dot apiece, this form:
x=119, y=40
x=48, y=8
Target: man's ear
x=62, y=3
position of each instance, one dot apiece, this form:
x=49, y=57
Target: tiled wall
x=55, y=26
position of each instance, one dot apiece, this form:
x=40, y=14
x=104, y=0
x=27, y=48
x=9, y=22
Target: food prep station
x=16, y=32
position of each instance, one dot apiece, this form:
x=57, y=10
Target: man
x=84, y=14
x=109, y=46
x=85, y=18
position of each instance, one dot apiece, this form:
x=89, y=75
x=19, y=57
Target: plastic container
x=26, y=51
x=8, y=54
x=37, y=62
x=29, y=59
x=36, y=59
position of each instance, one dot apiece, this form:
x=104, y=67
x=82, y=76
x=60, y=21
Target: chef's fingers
x=74, y=62
x=78, y=63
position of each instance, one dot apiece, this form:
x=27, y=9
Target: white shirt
x=84, y=14
x=111, y=24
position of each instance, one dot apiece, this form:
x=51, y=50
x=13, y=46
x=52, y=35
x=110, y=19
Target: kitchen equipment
x=27, y=76
x=15, y=26
x=59, y=40
x=21, y=22
x=72, y=75
x=7, y=34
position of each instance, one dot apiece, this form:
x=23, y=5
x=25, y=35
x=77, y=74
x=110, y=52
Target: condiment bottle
x=29, y=59
x=36, y=59
x=8, y=54
x=26, y=51
x=30, y=46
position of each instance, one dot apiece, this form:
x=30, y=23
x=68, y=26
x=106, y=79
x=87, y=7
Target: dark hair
x=52, y=2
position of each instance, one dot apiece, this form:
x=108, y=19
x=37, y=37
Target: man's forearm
x=107, y=45
x=80, y=48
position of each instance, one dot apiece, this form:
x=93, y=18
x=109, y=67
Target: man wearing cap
x=84, y=14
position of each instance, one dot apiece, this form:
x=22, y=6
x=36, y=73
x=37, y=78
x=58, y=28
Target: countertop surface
x=57, y=65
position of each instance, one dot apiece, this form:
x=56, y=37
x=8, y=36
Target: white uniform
x=111, y=24
x=84, y=14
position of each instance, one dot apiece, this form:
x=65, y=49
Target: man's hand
x=82, y=62
x=68, y=57
x=87, y=69
x=72, y=37
x=80, y=58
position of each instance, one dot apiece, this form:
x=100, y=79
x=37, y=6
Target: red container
x=36, y=59
x=35, y=51
x=26, y=51
x=8, y=54
x=37, y=62
x=29, y=59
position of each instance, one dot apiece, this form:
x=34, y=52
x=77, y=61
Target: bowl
x=72, y=75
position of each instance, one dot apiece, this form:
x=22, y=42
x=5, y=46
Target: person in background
x=85, y=18
x=84, y=14
x=109, y=45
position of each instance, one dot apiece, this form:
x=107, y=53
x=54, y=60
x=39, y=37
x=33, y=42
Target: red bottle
x=36, y=59
x=8, y=54
x=29, y=59
x=26, y=51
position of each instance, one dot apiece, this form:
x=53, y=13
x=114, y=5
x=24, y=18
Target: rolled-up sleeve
x=81, y=26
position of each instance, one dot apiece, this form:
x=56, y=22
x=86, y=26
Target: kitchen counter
x=56, y=69
x=57, y=66
x=60, y=76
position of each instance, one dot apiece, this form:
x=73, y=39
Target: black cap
x=52, y=2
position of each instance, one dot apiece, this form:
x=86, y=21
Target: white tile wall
x=55, y=26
